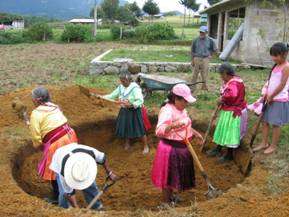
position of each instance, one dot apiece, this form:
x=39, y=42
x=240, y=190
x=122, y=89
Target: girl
x=130, y=122
x=232, y=123
x=277, y=98
x=49, y=130
x=173, y=167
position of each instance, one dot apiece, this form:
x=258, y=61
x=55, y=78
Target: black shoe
x=214, y=152
x=226, y=158
x=51, y=201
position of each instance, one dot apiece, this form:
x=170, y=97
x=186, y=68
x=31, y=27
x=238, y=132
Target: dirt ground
x=134, y=195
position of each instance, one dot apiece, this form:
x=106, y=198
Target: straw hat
x=80, y=171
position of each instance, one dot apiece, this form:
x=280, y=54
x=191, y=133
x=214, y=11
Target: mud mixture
x=22, y=192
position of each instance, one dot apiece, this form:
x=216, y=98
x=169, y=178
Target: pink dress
x=276, y=113
x=173, y=165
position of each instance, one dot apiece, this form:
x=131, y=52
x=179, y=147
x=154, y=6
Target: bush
x=77, y=33
x=155, y=32
x=12, y=37
x=39, y=32
x=126, y=33
x=115, y=31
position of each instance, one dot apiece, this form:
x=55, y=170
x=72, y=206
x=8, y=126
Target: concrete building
x=265, y=22
x=85, y=21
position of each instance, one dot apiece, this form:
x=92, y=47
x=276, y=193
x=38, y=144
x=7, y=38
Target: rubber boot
x=215, y=151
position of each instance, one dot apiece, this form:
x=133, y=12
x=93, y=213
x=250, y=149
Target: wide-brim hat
x=80, y=171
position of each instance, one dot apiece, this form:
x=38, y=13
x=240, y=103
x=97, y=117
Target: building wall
x=263, y=27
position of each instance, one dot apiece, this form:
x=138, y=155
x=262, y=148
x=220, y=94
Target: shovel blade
x=243, y=158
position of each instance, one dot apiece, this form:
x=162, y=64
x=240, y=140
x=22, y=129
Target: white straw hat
x=80, y=171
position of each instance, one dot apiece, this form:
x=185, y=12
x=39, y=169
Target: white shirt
x=61, y=152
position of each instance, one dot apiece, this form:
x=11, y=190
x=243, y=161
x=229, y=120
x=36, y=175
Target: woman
x=173, y=167
x=130, y=122
x=49, y=130
x=275, y=94
x=232, y=123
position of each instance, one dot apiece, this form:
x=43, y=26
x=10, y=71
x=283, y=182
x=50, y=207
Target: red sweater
x=233, y=96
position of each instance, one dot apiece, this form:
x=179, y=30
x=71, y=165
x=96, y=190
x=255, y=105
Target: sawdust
x=21, y=191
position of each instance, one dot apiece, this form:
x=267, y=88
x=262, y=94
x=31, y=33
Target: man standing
x=203, y=48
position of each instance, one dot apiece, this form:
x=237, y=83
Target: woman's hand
x=174, y=126
x=126, y=103
x=269, y=99
x=219, y=101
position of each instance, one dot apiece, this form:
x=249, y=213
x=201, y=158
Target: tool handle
x=94, y=200
x=195, y=157
x=214, y=116
x=101, y=97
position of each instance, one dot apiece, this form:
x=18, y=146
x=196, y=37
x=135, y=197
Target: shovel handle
x=195, y=157
x=213, y=118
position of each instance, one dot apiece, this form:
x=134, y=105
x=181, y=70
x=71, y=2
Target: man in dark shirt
x=203, y=48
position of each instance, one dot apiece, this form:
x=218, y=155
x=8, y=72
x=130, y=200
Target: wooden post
x=95, y=19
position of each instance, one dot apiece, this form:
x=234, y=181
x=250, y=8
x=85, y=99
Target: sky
x=168, y=5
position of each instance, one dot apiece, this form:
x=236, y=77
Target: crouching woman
x=49, y=130
x=232, y=124
x=173, y=166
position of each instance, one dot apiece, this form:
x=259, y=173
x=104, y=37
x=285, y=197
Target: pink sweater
x=170, y=114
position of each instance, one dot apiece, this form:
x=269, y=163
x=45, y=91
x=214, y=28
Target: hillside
x=61, y=9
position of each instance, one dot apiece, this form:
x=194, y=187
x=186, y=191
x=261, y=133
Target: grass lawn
x=154, y=53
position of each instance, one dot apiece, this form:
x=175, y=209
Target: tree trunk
x=184, y=24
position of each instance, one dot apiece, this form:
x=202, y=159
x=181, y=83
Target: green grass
x=155, y=53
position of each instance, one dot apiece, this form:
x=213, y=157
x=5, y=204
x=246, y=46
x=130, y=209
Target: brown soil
x=93, y=120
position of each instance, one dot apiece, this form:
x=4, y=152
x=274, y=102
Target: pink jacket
x=170, y=114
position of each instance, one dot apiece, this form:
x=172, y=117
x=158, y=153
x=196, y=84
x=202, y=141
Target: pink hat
x=184, y=91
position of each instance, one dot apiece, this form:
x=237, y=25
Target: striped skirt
x=63, y=135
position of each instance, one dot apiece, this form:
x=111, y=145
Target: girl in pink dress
x=173, y=167
x=275, y=94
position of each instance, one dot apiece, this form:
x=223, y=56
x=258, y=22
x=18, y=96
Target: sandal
x=260, y=147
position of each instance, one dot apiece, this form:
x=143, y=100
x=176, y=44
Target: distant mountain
x=61, y=9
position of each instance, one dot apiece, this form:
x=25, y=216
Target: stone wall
x=107, y=67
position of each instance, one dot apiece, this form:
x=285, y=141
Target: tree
x=134, y=8
x=191, y=5
x=110, y=9
x=150, y=7
x=100, y=13
x=125, y=15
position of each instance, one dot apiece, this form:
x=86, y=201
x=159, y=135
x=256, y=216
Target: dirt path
x=250, y=198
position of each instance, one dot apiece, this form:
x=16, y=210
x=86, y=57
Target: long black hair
x=279, y=49
x=171, y=97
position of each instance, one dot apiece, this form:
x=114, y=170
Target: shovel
x=213, y=118
x=87, y=92
x=212, y=191
x=108, y=184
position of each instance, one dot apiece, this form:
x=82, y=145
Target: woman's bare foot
x=260, y=147
x=270, y=150
x=146, y=150
x=126, y=146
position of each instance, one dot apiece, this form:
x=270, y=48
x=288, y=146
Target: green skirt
x=227, y=133
x=129, y=123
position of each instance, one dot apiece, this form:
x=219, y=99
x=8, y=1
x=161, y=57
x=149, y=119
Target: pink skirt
x=173, y=166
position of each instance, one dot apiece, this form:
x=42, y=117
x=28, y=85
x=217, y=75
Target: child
x=130, y=123
x=173, y=167
x=275, y=94
x=232, y=123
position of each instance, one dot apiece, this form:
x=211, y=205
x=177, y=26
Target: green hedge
x=155, y=32
x=39, y=32
x=77, y=33
x=12, y=37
